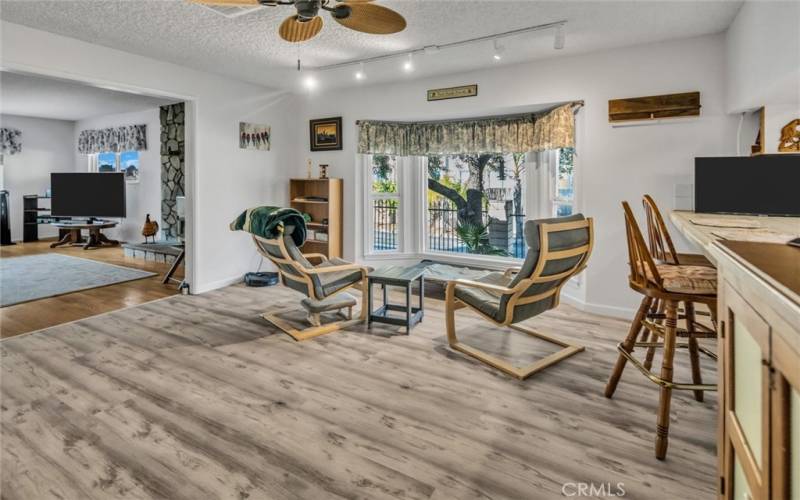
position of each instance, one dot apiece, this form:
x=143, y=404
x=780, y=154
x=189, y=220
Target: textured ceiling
x=60, y=100
x=248, y=47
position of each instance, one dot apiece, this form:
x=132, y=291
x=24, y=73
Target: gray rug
x=33, y=277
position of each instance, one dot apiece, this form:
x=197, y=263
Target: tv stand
x=96, y=238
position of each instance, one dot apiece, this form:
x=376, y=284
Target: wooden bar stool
x=670, y=285
x=663, y=252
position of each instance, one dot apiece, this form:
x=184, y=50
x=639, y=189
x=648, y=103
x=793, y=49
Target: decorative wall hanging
x=113, y=139
x=551, y=129
x=790, y=137
x=654, y=107
x=10, y=141
x=326, y=134
x=453, y=92
x=253, y=136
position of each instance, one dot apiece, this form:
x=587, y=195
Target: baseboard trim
x=214, y=285
x=601, y=309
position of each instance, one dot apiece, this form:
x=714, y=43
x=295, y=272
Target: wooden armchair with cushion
x=558, y=249
x=323, y=284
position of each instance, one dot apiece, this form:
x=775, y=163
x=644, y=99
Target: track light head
x=360, y=75
x=408, y=66
x=498, y=50
x=559, y=38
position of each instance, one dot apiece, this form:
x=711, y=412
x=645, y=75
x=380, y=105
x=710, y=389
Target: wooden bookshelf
x=322, y=199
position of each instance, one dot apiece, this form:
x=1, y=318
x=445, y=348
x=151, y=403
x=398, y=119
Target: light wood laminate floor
x=30, y=316
x=197, y=397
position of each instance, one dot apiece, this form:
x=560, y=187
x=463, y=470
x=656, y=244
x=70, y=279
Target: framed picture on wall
x=326, y=134
x=254, y=136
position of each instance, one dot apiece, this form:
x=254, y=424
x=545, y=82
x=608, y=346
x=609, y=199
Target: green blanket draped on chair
x=264, y=221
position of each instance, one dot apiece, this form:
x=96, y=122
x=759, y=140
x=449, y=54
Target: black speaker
x=5, y=228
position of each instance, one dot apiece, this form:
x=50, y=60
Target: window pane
x=106, y=162
x=384, y=174
x=476, y=204
x=129, y=163
x=384, y=224
x=565, y=183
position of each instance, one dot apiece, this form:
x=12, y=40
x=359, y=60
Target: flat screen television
x=88, y=194
x=761, y=185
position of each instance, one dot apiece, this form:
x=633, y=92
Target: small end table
x=401, y=277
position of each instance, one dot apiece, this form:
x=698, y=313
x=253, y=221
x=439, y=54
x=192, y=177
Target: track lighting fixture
x=498, y=50
x=408, y=66
x=558, y=39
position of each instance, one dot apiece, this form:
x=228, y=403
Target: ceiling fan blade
x=293, y=30
x=371, y=18
x=229, y=3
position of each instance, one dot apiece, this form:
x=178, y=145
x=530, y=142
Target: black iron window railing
x=384, y=224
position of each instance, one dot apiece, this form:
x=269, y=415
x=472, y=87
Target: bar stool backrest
x=661, y=247
x=644, y=272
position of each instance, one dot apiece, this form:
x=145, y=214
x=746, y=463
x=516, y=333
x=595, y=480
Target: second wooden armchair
x=558, y=249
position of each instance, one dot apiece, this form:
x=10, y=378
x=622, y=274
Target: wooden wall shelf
x=654, y=107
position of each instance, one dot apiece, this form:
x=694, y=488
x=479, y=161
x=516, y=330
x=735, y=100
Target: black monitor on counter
x=78, y=194
x=758, y=185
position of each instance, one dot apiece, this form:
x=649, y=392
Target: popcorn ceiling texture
x=172, y=166
x=247, y=47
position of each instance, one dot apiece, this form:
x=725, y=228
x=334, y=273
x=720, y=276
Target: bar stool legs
x=694, y=350
x=665, y=396
x=628, y=345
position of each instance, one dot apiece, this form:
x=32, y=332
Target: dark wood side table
x=96, y=238
x=401, y=277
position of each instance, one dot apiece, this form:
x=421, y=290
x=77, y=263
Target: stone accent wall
x=172, y=165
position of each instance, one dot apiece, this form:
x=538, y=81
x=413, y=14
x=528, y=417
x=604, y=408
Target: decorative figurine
x=150, y=228
x=309, y=168
x=323, y=171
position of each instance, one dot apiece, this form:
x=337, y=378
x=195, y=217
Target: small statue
x=790, y=137
x=323, y=171
x=150, y=228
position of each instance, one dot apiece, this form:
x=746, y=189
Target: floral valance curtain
x=10, y=141
x=114, y=139
x=511, y=134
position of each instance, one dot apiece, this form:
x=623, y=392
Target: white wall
x=221, y=179
x=47, y=146
x=615, y=164
x=143, y=197
x=763, y=65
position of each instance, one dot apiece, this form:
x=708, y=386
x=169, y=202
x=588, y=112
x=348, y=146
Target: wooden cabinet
x=322, y=200
x=759, y=420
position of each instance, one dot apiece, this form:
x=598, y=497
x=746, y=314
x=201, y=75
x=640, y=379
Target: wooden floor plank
x=197, y=396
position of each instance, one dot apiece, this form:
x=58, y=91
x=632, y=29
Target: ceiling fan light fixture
x=408, y=66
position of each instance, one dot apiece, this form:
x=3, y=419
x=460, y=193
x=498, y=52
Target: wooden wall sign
x=654, y=107
x=453, y=92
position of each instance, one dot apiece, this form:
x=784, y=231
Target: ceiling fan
x=358, y=15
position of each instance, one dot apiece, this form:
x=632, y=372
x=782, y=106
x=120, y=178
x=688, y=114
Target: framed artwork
x=326, y=134
x=254, y=136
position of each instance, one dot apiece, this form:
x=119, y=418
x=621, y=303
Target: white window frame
x=369, y=197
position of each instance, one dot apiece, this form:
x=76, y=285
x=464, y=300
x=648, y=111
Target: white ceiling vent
x=231, y=11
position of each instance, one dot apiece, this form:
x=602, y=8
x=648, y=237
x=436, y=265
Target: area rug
x=33, y=277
